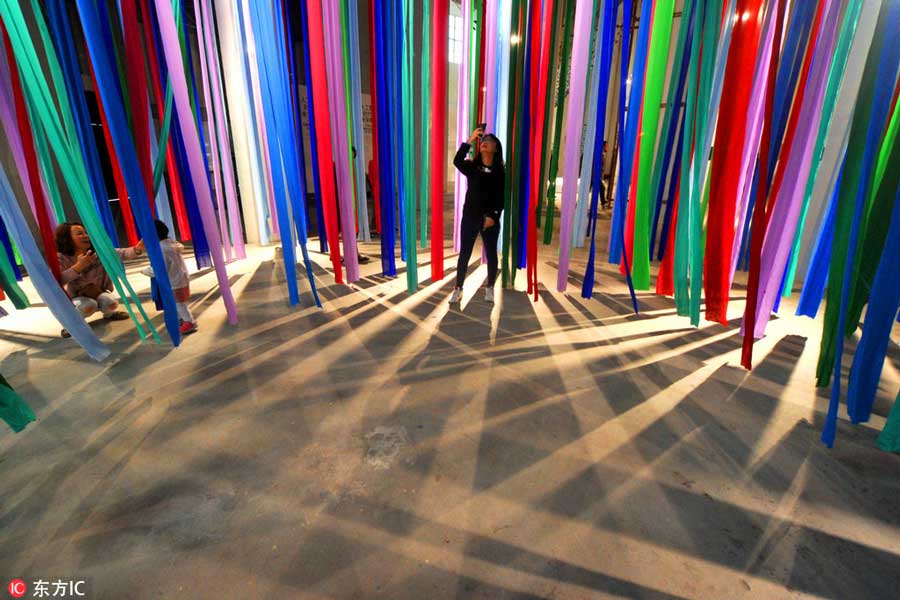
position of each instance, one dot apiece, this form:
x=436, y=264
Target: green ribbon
x=835, y=77
x=874, y=228
x=58, y=126
x=425, y=98
x=510, y=135
x=13, y=409
x=8, y=281
x=850, y=181
x=653, y=86
x=409, y=129
x=562, y=87
x=559, y=10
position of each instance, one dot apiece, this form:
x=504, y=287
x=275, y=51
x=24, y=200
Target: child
x=178, y=276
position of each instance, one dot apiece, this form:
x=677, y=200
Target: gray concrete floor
x=391, y=446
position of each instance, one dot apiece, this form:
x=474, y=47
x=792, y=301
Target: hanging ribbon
x=323, y=133
x=604, y=59
x=837, y=134
x=540, y=129
x=212, y=109
x=868, y=361
x=192, y=142
x=868, y=125
x=321, y=226
x=753, y=134
x=574, y=120
x=729, y=140
x=22, y=146
x=385, y=176
x=62, y=36
x=630, y=116
x=138, y=180
x=671, y=126
x=562, y=86
x=656, y=70
x=355, y=91
x=66, y=151
x=409, y=130
x=424, y=173
x=835, y=75
x=13, y=409
x=462, y=123
x=44, y=281
x=786, y=211
x=438, y=134
x=866, y=128
x=289, y=188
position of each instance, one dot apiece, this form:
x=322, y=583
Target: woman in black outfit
x=484, y=203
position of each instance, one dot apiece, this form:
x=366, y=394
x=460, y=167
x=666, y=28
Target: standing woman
x=482, y=208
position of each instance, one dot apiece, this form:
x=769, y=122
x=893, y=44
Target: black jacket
x=484, y=197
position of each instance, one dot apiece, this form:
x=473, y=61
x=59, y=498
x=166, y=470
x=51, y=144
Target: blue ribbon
x=670, y=200
x=105, y=71
x=385, y=158
x=884, y=301
x=61, y=30
x=396, y=61
x=44, y=282
x=884, y=88
x=198, y=236
x=313, y=143
x=270, y=58
x=7, y=246
x=605, y=58
x=617, y=231
x=786, y=80
x=525, y=156
x=671, y=135
x=817, y=272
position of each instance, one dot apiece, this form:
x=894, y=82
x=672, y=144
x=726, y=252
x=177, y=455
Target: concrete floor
x=390, y=446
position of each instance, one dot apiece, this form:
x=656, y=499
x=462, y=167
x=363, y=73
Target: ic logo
x=17, y=588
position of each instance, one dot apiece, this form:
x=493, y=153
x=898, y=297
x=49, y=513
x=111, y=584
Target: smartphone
x=482, y=126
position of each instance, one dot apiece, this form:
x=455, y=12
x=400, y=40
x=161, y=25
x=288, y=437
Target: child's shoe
x=187, y=328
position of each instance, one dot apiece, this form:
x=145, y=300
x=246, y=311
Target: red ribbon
x=373, y=96
x=323, y=133
x=181, y=216
x=729, y=145
x=124, y=204
x=762, y=210
x=34, y=177
x=438, y=134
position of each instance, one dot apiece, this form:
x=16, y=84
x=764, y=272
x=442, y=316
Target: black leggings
x=468, y=232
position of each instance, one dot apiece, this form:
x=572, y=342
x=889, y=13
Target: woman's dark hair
x=498, y=155
x=162, y=230
x=64, y=244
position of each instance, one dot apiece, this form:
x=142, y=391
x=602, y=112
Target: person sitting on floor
x=84, y=278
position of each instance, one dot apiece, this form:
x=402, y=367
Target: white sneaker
x=455, y=296
x=489, y=295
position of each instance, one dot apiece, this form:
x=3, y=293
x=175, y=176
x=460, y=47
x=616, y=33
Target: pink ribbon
x=172, y=51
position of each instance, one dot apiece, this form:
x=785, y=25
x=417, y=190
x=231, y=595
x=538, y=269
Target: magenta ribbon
x=779, y=237
x=334, y=57
x=172, y=51
x=574, y=123
x=754, y=132
x=8, y=117
x=234, y=219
